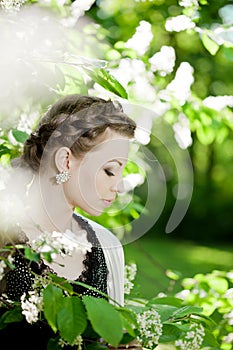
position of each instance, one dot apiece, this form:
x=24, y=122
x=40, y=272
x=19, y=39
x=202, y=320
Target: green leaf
x=14, y=315
x=53, y=344
x=129, y=320
x=20, y=136
x=71, y=318
x=218, y=284
x=167, y=301
x=4, y=150
x=52, y=298
x=170, y=333
x=127, y=338
x=30, y=255
x=74, y=81
x=89, y=332
x=173, y=274
x=107, y=81
x=104, y=318
x=205, y=134
x=210, y=340
x=62, y=282
x=209, y=44
x=187, y=310
x=228, y=52
x=165, y=311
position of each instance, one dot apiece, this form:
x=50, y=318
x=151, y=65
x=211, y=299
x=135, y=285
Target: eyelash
x=108, y=172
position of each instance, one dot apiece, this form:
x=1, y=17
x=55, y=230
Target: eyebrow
x=115, y=160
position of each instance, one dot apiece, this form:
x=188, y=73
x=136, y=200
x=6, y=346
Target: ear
x=62, y=158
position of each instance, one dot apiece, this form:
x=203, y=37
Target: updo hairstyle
x=75, y=121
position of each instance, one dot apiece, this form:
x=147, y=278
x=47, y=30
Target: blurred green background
x=203, y=240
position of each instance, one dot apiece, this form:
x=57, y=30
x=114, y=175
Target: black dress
x=20, y=279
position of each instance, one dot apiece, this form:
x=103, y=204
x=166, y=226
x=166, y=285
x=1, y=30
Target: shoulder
x=105, y=236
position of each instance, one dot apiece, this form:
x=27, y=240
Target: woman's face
x=96, y=177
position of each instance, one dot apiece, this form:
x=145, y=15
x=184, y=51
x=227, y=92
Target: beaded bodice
x=94, y=274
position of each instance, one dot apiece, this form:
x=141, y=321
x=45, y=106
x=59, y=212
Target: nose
x=118, y=187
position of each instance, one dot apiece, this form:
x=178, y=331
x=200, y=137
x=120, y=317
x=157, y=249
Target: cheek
x=101, y=183
x=90, y=184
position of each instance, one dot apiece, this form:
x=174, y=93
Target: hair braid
x=75, y=121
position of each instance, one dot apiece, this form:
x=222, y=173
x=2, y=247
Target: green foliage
x=52, y=297
x=208, y=298
x=107, y=81
x=76, y=319
x=103, y=316
x=105, y=36
x=71, y=318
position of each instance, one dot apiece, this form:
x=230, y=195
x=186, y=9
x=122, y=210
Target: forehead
x=111, y=148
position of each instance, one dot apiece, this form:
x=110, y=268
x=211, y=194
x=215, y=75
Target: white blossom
x=61, y=243
x=150, y=328
x=193, y=339
x=143, y=90
x=40, y=282
x=78, y=342
x=128, y=70
x=143, y=129
x=189, y=3
x=142, y=136
x=229, y=317
x=11, y=5
x=32, y=306
x=140, y=41
x=27, y=121
x=229, y=294
x=129, y=275
x=134, y=71
x=131, y=181
x=163, y=61
x=218, y=102
x=182, y=131
x=183, y=294
x=180, y=86
x=228, y=338
x=179, y=23
x=79, y=7
x=2, y=268
x=226, y=14
x=230, y=275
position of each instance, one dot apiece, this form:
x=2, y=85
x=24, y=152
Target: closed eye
x=109, y=173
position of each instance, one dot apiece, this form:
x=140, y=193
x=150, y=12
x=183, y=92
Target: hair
x=75, y=121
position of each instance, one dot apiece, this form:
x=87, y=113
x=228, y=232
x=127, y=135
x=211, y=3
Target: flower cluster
x=141, y=39
x=32, y=306
x=189, y=3
x=78, y=342
x=182, y=131
x=150, y=328
x=163, y=61
x=130, y=272
x=61, y=243
x=179, y=23
x=193, y=339
x=11, y=5
x=2, y=267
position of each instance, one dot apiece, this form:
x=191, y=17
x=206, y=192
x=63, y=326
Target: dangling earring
x=62, y=177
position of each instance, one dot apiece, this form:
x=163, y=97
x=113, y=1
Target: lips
x=108, y=202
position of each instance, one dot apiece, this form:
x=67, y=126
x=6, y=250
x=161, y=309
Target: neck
x=48, y=207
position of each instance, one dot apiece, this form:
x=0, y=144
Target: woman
x=74, y=159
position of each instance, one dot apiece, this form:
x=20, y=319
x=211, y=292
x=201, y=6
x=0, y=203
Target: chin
x=95, y=213
x=92, y=212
